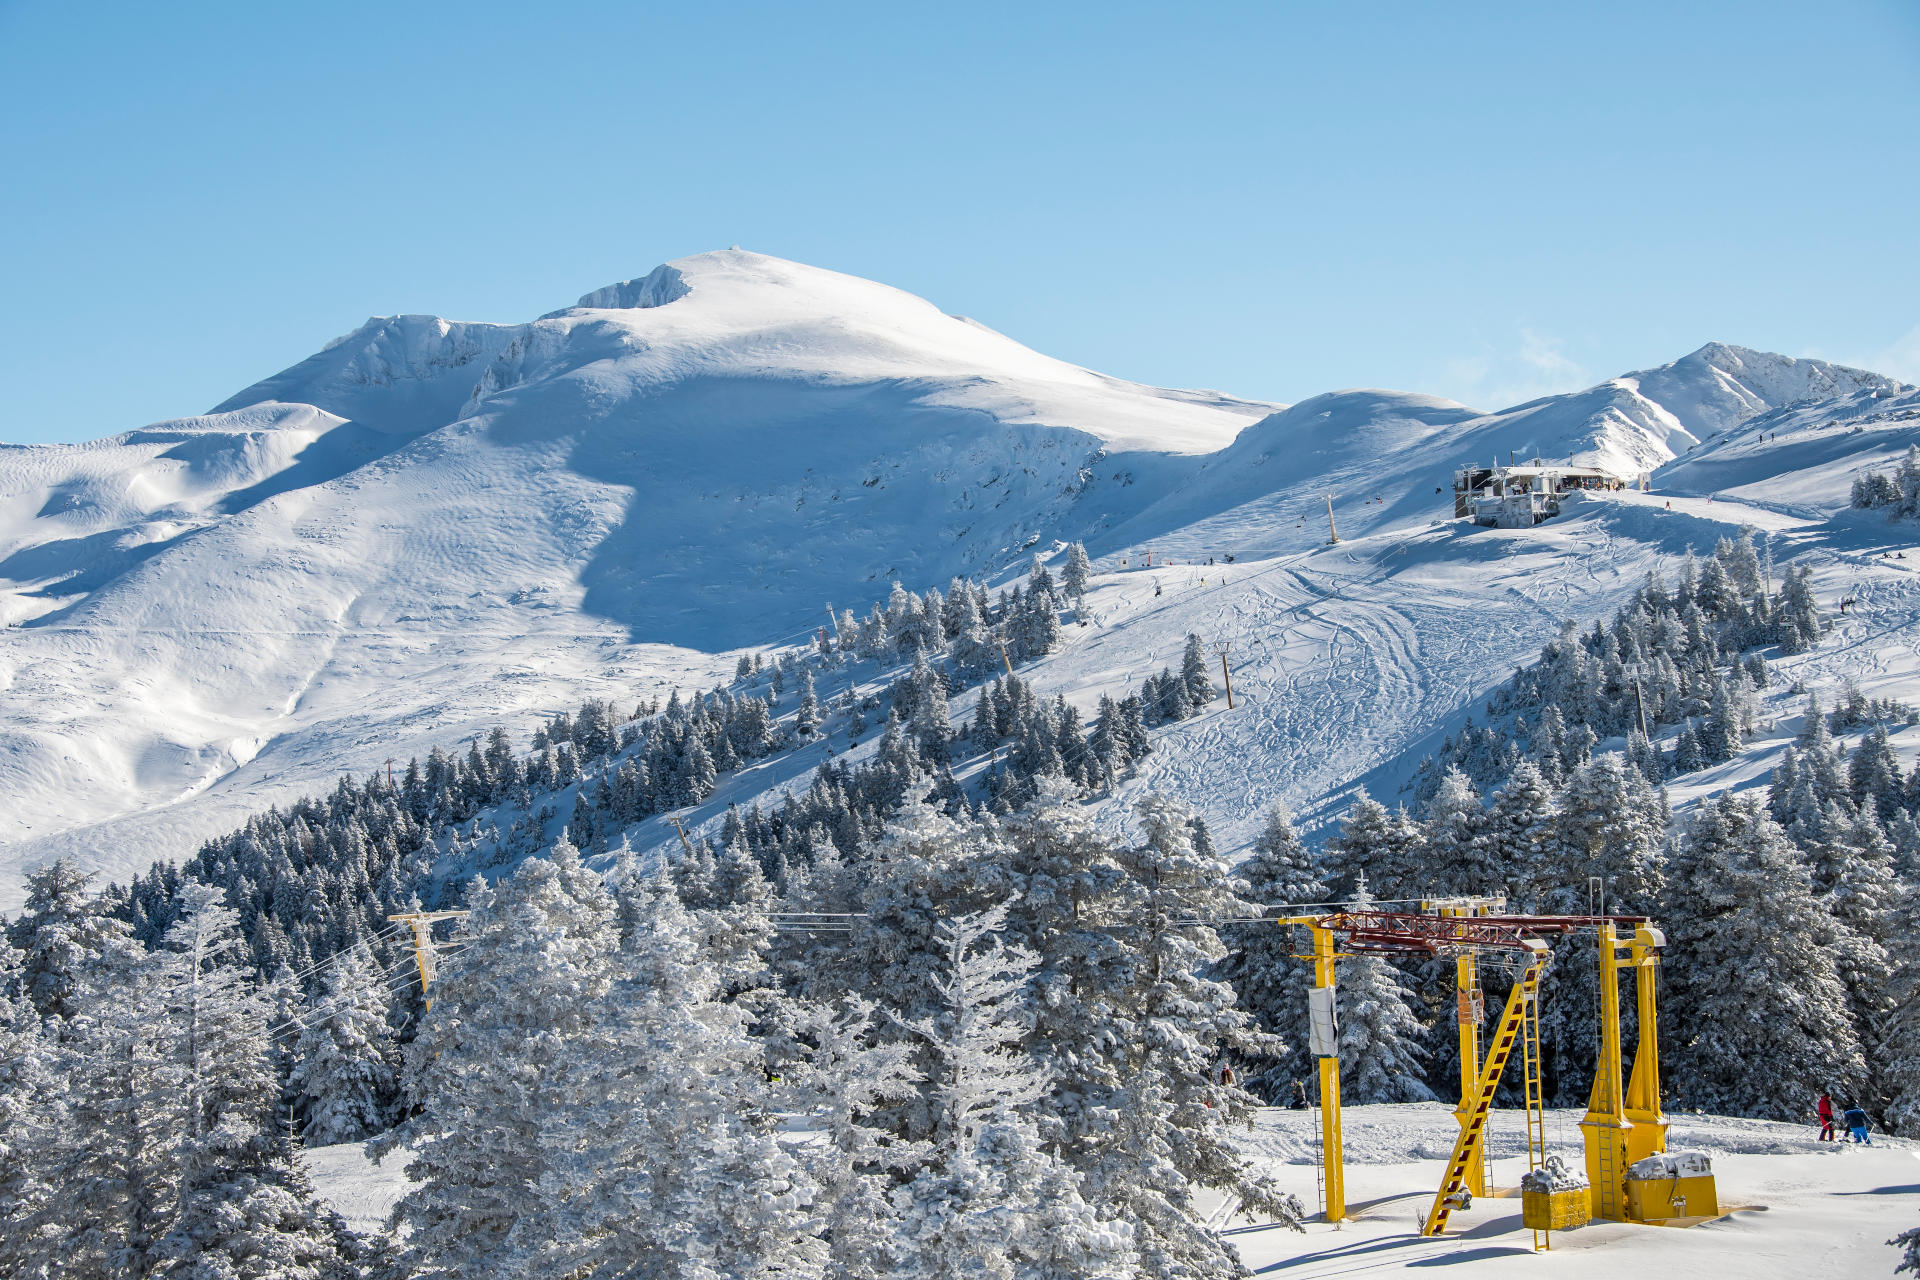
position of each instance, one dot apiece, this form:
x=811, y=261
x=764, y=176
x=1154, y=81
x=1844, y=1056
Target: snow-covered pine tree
x=839, y=1072
x=1862, y=906
x=1168, y=1142
x=31, y=1089
x=240, y=1211
x=114, y=1165
x=1519, y=835
x=59, y=930
x=343, y=1084
x=1756, y=1009
x=1457, y=860
x=1797, y=621
x=1077, y=573
x=1899, y=1045
x=1873, y=775
x=1611, y=826
x=1909, y=1243
x=662, y=1154
x=1381, y=1057
x=1193, y=673
x=806, y=720
x=1271, y=984
x=990, y=1199
x=1384, y=846
x=500, y=1059
x=260, y=1218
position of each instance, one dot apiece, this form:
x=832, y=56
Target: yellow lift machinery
x=1624, y=1125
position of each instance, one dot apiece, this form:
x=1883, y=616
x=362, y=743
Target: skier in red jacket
x=1824, y=1109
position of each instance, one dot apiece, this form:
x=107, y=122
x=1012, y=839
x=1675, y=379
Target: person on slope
x=1299, y=1102
x=1856, y=1122
x=1824, y=1109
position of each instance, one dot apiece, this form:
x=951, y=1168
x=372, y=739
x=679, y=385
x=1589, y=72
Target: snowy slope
x=431, y=527
x=1803, y=1209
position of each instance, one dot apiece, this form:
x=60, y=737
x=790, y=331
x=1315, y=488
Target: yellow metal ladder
x=1513, y=1024
x=1535, y=1100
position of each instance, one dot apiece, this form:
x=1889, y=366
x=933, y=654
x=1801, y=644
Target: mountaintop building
x=1522, y=495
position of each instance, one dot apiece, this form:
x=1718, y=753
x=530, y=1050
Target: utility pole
x=674, y=818
x=422, y=923
x=389, y=764
x=1003, y=653
x=1333, y=534
x=1227, y=676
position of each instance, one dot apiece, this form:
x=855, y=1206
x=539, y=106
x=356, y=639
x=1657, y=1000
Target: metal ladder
x=1319, y=1157
x=1608, y=1205
x=1535, y=1102
x=1520, y=1002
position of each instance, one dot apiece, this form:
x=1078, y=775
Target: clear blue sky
x=1486, y=202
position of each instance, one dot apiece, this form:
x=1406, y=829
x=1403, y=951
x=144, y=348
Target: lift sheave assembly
x=1629, y=1176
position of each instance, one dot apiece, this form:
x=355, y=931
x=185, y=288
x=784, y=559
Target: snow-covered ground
x=431, y=527
x=1800, y=1208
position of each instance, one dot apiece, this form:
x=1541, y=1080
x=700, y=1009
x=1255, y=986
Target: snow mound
x=1554, y=1174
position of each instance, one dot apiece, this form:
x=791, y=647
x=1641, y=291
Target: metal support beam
x=1332, y=1154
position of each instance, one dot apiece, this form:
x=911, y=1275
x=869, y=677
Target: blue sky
x=1487, y=202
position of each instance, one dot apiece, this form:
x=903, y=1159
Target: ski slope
x=431, y=527
x=1805, y=1210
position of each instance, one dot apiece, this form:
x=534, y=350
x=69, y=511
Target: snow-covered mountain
x=430, y=527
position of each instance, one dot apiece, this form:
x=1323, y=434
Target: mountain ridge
x=432, y=525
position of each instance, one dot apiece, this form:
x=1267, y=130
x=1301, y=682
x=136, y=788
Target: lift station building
x=1519, y=496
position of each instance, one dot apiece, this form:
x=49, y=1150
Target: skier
x=1299, y=1102
x=1856, y=1122
x=1824, y=1109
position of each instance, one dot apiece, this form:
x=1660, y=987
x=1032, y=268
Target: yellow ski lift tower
x=1624, y=1122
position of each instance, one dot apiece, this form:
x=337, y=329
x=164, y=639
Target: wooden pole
x=1226, y=675
x=1333, y=533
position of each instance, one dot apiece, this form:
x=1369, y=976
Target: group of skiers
x=1852, y=1116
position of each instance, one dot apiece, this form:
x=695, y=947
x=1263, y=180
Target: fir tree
x=1746, y=934
x=1385, y=847
x=1381, y=1055
x=1458, y=861
x=1899, y=1047
x=1077, y=573
x=990, y=1198
x=61, y=928
x=1193, y=673
x=343, y=1084
x=806, y=720
x=1271, y=984
x=31, y=1122
x=497, y=1062
x=664, y=1160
